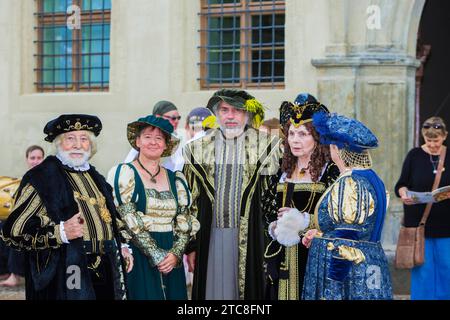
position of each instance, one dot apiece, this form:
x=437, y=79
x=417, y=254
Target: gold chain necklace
x=101, y=203
x=308, y=204
x=302, y=172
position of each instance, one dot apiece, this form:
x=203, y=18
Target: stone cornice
x=379, y=60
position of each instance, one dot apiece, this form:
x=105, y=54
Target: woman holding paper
x=306, y=172
x=432, y=279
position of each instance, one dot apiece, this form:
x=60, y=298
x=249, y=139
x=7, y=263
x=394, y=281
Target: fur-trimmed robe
x=46, y=269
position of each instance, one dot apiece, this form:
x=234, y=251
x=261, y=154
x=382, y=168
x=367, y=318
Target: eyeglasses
x=432, y=125
x=173, y=118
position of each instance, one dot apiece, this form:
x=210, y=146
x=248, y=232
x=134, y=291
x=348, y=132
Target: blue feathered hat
x=345, y=133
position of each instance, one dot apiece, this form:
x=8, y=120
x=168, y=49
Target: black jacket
x=417, y=175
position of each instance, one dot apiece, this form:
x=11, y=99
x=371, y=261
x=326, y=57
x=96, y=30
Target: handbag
x=410, y=251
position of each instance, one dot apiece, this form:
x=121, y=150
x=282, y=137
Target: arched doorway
x=434, y=89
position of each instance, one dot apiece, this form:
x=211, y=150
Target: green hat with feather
x=239, y=99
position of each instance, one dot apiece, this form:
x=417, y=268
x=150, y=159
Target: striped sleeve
x=29, y=226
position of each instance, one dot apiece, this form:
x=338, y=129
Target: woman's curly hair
x=319, y=157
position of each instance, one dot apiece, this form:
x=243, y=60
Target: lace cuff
x=179, y=247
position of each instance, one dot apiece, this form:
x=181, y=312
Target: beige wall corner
x=368, y=72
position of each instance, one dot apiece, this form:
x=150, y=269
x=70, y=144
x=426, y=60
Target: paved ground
x=402, y=297
x=18, y=293
x=15, y=293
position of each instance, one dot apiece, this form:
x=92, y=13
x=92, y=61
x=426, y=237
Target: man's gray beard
x=232, y=132
x=65, y=156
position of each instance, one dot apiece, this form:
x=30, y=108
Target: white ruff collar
x=84, y=167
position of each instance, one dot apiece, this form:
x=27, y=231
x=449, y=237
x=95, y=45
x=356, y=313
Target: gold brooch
x=105, y=215
x=78, y=126
x=295, y=122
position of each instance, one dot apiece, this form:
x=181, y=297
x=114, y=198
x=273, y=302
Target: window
x=71, y=58
x=242, y=43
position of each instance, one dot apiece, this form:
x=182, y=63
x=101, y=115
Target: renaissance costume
x=156, y=222
x=286, y=264
x=229, y=181
x=89, y=267
x=346, y=259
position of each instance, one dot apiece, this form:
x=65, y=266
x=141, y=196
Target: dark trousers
x=11, y=261
x=101, y=276
x=16, y=261
x=4, y=256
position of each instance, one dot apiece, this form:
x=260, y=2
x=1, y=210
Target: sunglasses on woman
x=173, y=118
x=432, y=125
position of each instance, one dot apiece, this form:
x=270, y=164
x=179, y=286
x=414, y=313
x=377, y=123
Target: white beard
x=65, y=158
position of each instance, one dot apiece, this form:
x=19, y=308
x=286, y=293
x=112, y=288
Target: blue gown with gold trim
x=346, y=259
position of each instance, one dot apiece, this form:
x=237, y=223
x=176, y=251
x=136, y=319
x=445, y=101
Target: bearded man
x=228, y=172
x=64, y=218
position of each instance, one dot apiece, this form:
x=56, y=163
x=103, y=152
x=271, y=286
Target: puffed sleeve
x=186, y=224
x=125, y=182
x=350, y=205
x=29, y=226
x=126, y=189
x=133, y=227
